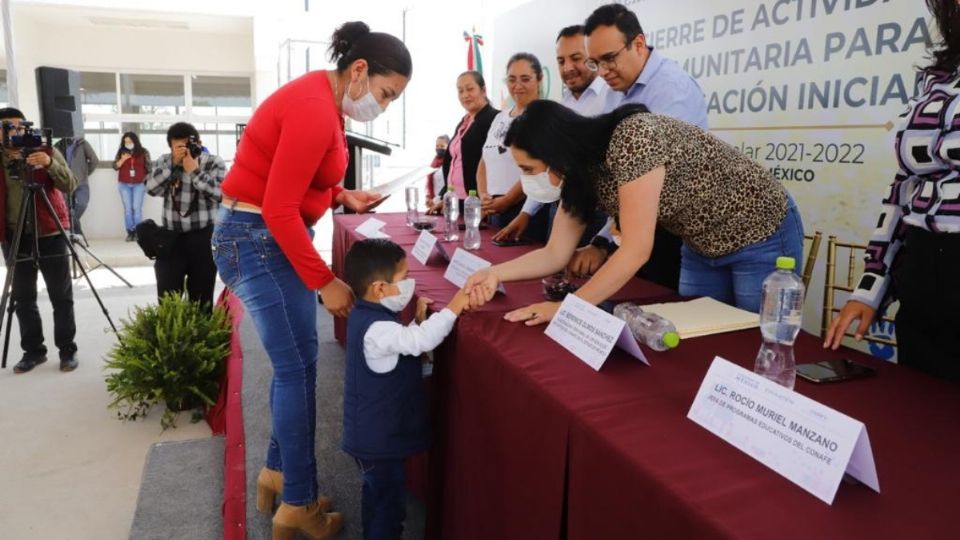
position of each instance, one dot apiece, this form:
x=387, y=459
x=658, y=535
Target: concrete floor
x=68, y=467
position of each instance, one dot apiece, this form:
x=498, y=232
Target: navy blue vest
x=384, y=414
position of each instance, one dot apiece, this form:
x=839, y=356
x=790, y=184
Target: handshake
x=478, y=290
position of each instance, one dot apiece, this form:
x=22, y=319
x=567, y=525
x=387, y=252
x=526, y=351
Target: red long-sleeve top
x=290, y=161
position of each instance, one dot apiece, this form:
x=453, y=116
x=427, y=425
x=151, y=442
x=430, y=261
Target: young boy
x=384, y=409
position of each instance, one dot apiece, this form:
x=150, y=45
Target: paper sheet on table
x=704, y=316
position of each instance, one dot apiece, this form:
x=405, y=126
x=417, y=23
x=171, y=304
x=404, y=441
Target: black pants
x=928, y=321
x=191, y=261
x=54, y=265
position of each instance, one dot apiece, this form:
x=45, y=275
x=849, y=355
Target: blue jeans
x=737, y=278
x=284, y=311
x=384, y=498
x=80, y=198
x=131, y=195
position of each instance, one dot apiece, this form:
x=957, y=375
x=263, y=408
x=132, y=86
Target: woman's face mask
x=363, y=109
x=539, y=187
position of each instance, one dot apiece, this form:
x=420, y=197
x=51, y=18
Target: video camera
x=26, y=137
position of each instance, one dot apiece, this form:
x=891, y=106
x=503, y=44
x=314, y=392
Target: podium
x=356, y=144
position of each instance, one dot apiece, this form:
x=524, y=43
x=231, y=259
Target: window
x=98, y=93
x=215, y=96
x=4, y=97
x=105, y=139
x=148, y=104
x=152, y=94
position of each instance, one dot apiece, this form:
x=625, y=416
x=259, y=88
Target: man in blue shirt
x=617, y=50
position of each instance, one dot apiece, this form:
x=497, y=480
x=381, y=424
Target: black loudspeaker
x=58, y=91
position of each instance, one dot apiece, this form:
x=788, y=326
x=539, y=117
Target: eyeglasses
x=607, y=61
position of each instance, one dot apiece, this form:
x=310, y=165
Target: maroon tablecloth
x=532, y=443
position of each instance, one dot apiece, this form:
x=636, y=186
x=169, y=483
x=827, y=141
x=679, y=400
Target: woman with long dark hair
x=286, y=175
x=462, y=157
x=914, y=254
x=641, y=169
x=132, y=164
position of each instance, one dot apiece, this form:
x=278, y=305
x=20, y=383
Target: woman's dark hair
x=534, y=63
x=614, y=15
x=573, y=146
x=477, y=78
x=946, y=53
x=374, y=259
x=385, y=54
x=137, y=147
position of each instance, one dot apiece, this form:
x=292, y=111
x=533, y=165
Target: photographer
x=189, y=182
x=47, y=167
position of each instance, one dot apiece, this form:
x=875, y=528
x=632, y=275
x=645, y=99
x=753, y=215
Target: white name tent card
x=371, y=228
x=590, y=333
x=462, y=265
x=425, y=245
x=806, y=442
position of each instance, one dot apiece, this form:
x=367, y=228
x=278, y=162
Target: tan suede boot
x=270, y=486
x=310, y=520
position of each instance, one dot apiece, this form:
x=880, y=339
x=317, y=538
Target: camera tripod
x=81, y=240
x=32, y=193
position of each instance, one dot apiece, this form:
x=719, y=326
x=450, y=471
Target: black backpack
x=154, y=240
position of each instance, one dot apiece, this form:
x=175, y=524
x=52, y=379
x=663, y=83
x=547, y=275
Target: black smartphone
x=509, y=242
x=833, y=371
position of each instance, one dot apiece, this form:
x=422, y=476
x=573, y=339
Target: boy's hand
x=421, y=314
x=460, y=302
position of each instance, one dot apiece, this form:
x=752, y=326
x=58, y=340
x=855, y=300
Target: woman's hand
x=514, y=229
x=359, y=201
x=337, y=298
x=493, y=205
x=587, y=260
x=435, y=209
x=851, y=312
x=123, y=159
x=481, y=286
x=534, y=314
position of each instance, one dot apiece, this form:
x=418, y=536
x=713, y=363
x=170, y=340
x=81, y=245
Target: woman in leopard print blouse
x=734, y=218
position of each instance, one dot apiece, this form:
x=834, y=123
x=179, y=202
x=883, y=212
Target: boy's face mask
x=397, y=302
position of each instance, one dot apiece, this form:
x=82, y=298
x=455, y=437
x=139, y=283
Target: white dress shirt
x=385, y=341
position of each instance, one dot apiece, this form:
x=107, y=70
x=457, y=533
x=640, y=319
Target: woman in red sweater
x=286, y=174
x=132, y=165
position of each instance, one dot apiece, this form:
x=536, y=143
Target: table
x=532, y=443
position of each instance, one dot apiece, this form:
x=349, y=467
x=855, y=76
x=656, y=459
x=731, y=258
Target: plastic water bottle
x=451, y=213
x=781, y=314
x=471, y=218
x=649, y=328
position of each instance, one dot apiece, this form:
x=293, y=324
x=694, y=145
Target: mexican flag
x=474, y=63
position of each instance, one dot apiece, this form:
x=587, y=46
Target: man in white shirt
x=583, y=92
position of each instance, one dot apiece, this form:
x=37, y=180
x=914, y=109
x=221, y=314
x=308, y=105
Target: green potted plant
x=173, y=353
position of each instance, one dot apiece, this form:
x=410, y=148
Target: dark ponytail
x=573, y=146
x=385, y=54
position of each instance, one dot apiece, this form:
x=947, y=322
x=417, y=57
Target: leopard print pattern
x=714, y=197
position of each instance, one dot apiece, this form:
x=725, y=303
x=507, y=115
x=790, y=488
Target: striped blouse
x=925, y=192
